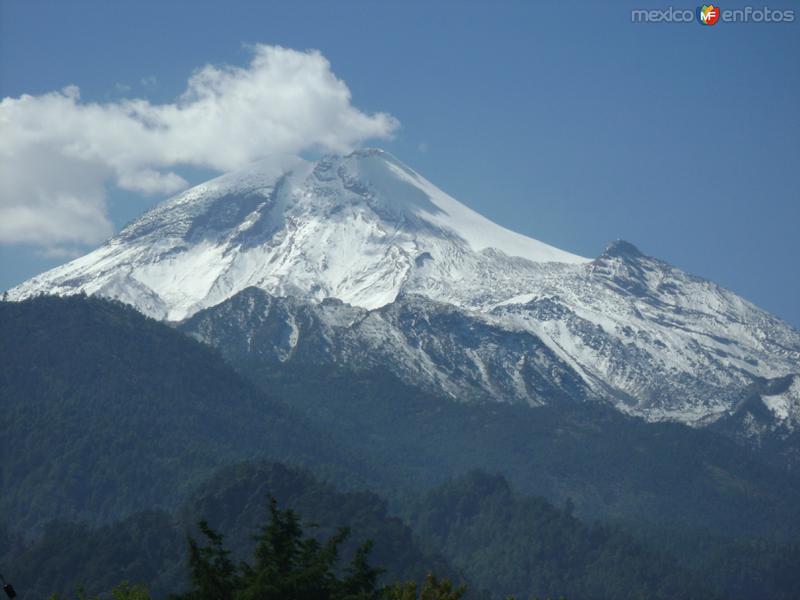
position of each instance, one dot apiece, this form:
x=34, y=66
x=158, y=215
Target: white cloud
x=58, y=153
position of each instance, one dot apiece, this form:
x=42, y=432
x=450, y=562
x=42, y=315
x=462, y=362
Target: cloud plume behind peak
x=58, y=153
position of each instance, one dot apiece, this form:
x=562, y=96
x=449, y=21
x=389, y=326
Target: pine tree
x=362, y=578
x=213, y=574
x=286, y=565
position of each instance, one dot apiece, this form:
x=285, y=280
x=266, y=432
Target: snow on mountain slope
x=659, y=342
x=768, y=416
x=785, y=405
x=438, y=347
x=355, y=228
x=530, y=323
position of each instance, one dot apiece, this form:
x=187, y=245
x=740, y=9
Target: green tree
x=213, y=575
x=286, y=565
x=432, y=589
x=362, y=578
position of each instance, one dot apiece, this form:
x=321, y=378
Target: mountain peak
x=361, y=228
x=370, y=151
x=622, y=249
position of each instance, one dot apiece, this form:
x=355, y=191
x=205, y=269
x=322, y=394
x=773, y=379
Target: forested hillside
x=509, y=542
x=119, y=433
x=150, y=547
x=474, y=530
x=609, y=465
x=105, y=412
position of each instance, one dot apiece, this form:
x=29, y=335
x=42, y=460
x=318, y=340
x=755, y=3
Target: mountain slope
x=610, y=464
x=541, y=351
x=354, y=228
x=433, y=346
x=656, y=341
x=485, y=528
x=105, y=412
x=624, y=328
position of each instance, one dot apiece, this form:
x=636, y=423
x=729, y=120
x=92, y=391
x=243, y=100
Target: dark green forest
x=105, y=412
x=609, y=465
x=286, y=564
x=475, y=531
x=120, y=433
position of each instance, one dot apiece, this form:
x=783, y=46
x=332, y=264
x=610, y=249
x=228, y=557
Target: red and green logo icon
x=708, y=14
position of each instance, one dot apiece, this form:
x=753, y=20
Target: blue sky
x=564, y=121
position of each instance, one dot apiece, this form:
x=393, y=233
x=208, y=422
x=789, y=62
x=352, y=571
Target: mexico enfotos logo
x=708, y=14
x=711, y=14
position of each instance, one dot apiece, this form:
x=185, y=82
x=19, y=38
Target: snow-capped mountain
x=433, y=291
x=359, y=228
